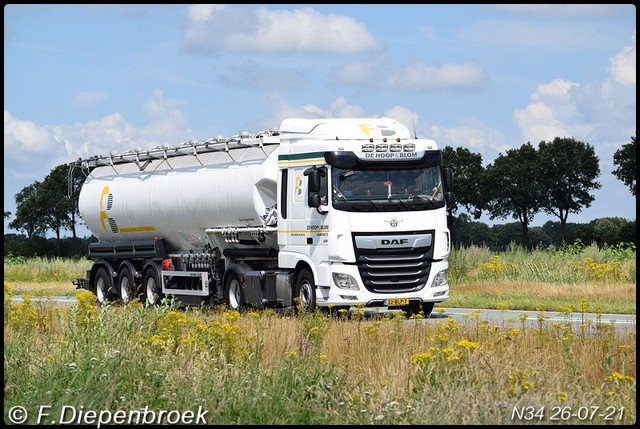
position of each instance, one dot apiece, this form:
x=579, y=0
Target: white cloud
x=475, y=136
x=25, y=136
x=63, y=143
x=555, y=111
x=88, y=98
x=604, y=112
x=405, y=116
x=559, y=96
x=414, y=76
x=203, y=12
x=537, y=122
x=280, y=109
x=211, y=29
x=623, y=65
x=81, y=140
x=167, y=125
x=422, y=76
x=359, y=72
x=340, y=108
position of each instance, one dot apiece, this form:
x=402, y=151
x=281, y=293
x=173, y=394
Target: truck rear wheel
x=152, y=286
x=104, y=291
x=304, y=292
x=126, y=285
x=234, y=295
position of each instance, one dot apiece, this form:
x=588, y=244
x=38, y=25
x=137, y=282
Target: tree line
x=555, y=178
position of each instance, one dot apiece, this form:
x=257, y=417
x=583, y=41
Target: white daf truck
x=320, y=213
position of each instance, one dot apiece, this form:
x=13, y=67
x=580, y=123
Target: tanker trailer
x=320, y=213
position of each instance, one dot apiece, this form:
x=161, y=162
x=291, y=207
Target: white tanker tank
x=177, y=197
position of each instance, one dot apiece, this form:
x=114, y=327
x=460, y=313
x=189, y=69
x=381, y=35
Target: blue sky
x=84, y=80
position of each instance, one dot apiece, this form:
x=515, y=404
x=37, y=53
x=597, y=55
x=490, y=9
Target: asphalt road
x=621, y=321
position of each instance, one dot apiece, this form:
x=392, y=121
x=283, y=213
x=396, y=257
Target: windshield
x=407, y=189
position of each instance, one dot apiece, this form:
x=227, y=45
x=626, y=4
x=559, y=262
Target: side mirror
x=450, y=198
x=447, y=178
x=314, y=200
x=314, y=179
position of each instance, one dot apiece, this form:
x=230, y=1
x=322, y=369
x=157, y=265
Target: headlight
x=440, y=279
x=345, y=281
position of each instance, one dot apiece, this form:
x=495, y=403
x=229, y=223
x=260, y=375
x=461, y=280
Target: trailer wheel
x=126, y=285
x=233, y=292
x=304, y=292
x=103, y=289
x=152, y=286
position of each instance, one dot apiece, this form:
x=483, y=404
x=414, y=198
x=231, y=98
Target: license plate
x=396, y=301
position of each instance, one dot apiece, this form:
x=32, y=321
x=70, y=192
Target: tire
x=152, y=287
x=304, y=292
x=126, y=285
x=411, y=309
x=427, y=308
x=233, y=292
x=415, y=308
x=103, y=286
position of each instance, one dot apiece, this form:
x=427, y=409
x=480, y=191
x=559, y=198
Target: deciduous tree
x=625, y=160
x=55, y=197
x=30, y=216
x=468, y=176
x=513, y=187
x=568, y=172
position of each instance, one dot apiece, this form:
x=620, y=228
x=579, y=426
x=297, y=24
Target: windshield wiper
x=422, y=201
x=401, y=202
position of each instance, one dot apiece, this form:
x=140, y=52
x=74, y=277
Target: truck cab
x=363, y=208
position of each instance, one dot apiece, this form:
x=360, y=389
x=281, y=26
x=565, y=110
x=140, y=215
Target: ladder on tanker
x=143, y=157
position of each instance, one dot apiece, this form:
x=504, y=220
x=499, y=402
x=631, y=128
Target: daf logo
x=394, y=241
x=393, y=222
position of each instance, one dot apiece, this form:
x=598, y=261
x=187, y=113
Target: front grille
x=394, y=270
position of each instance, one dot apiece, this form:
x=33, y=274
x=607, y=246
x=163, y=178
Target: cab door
x=304, y=231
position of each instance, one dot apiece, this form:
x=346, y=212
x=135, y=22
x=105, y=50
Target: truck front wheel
x=304, y=292
x=415, y=308
x=233, y=292
x=427, y=308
